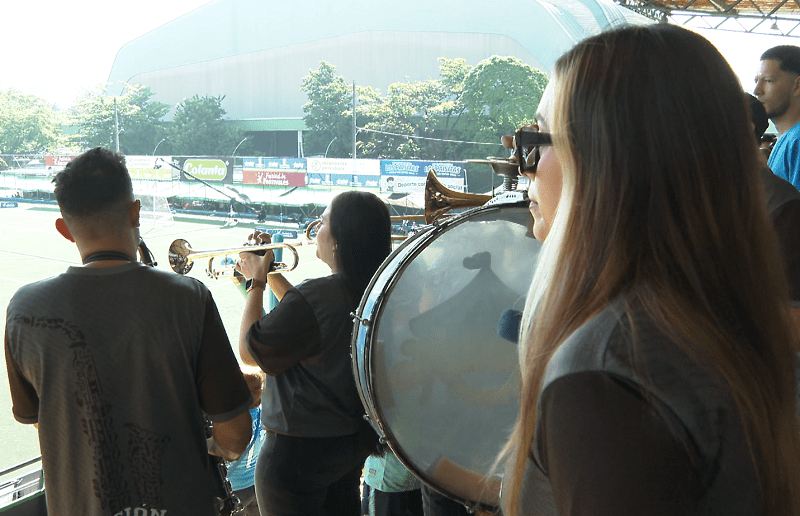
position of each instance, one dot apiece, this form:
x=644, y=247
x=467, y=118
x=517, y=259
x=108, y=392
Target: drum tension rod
x=363, y=321
x=381, y=438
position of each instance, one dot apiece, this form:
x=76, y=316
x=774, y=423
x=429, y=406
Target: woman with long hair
x=317, y=439
x=658, y=363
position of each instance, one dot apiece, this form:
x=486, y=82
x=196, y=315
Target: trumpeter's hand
x=252, y=265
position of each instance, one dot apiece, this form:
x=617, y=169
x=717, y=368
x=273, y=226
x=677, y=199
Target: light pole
x=237, y=147
x=156, y=147
x=355, y=127
x=329, y=146
x=116, y=124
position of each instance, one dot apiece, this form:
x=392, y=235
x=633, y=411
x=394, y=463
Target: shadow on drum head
x=437, y=380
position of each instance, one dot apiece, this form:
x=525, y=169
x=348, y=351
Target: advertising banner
x=406, y=176
x=287, y=172
x=154, y=168
x=59, y=161
x=210, y=170
x=343, y=174
x=290, y=234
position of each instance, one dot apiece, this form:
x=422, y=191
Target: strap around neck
x=106, y=255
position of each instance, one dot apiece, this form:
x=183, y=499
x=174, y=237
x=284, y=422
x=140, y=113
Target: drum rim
x=369, y=326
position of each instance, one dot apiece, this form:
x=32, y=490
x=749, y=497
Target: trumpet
x=182, y=257
x=439, y=200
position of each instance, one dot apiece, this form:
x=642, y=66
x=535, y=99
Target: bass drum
x=438, y=382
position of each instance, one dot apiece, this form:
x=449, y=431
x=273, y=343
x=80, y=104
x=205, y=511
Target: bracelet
x=257, y=283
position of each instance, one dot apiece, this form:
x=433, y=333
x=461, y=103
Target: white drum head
x=438, y=381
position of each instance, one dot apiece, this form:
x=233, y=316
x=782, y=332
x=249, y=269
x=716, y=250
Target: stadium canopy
x=257, y=53
x=771, y=17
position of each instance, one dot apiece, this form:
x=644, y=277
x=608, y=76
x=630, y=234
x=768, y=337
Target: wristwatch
x=256, y=283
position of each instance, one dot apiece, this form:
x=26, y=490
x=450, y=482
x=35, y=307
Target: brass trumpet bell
x=439, y=200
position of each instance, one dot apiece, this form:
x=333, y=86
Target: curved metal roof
x=226, y=28
x=257, y=52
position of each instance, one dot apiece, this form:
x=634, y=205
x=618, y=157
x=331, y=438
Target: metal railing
x=14, y=491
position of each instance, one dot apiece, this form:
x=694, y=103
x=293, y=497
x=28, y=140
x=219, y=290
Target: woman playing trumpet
x=312, y=458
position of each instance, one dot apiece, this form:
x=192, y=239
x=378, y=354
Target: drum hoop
x=387, y=436
x=369, y=325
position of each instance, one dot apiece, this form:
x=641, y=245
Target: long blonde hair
x=662, y=205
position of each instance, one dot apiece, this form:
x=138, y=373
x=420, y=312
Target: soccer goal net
x=155, y=211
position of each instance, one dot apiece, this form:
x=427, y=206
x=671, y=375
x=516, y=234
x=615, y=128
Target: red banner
x=57, y=161
x=251, y=176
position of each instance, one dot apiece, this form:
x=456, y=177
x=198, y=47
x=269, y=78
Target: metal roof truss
x=772, y=17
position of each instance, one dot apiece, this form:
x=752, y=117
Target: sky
x=743, y=51
x=56, y=49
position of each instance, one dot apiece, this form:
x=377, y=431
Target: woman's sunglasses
x=527, y=143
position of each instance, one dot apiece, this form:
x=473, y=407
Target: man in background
x=118, y=364
x=778, y=89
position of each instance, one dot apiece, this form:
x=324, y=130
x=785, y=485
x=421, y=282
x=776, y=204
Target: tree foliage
x=328, y=112
x=139, y=118
x=28, y=125
x=500, y=95
x=408, y=109
x=424, y=119
x=199, y=128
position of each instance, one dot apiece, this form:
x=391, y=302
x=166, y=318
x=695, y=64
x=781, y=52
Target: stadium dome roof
x=256, y=53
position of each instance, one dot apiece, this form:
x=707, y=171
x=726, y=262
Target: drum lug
x=382, y=440
x=366, y=417
x=364, y=322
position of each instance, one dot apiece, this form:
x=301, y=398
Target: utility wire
x=425, y=137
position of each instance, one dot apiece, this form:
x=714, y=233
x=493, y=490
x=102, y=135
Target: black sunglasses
x=527, y=143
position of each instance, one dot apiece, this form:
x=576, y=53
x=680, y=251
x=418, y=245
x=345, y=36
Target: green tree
x=500, y=95
x=328, y=112
x=425, y=112
x=139, y=118
x=425, y=119
x=199, y=129
x=28, y=125
x=394, y=120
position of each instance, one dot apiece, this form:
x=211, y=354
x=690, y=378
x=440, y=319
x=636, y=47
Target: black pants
x=249, y=503
x=309, y=476
x=379, y=503
x=436, y=504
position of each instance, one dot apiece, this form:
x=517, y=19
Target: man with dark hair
x=778, y=89
x=118, y=364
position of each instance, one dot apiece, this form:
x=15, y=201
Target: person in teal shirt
x=389, y=488
x=778, y=89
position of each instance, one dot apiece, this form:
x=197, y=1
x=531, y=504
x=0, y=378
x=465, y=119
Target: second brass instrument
x=439, y=200
x=182, y=257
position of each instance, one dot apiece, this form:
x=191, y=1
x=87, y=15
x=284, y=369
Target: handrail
x=21, y=465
